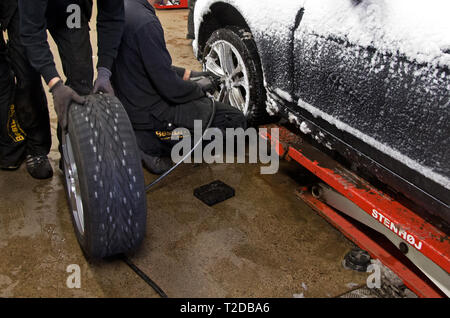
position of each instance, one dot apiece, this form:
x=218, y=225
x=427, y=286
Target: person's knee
x=229, y=117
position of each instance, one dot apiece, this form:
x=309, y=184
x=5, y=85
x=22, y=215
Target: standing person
x=68, y=23
x=157, y=96
x=24, y=118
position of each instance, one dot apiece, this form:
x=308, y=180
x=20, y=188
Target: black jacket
x=143, y=77
x=7, y=10
x=39, y=15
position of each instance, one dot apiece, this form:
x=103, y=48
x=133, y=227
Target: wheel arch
x=219, y=15
x=222, y=15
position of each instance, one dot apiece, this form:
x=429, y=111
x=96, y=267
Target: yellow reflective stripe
x=15, y=132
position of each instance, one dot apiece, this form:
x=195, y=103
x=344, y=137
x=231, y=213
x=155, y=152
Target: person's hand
x=194, y=75
x=103, y=83
x=208, y=81
x=63, y=96
x=207, y=84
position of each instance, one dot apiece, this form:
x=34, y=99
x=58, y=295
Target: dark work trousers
x=24, y=117
x=10, y=141
x=75, y=51
x=153, y=143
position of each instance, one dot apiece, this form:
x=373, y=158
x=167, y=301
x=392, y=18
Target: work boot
x=155, y=164
x=39, y=167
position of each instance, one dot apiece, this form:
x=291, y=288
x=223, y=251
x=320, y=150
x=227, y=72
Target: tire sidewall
x=83, y=239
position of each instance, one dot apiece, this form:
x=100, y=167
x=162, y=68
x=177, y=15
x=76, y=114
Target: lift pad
x=420, y=243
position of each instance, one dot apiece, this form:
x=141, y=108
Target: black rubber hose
x=213, y=114
x=142, y=275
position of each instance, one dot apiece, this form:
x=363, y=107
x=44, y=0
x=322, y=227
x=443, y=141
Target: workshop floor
x=264, y=242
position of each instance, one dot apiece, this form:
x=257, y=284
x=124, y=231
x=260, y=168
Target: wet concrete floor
x=264, y=242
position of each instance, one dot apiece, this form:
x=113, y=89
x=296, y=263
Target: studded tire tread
x=110, y=176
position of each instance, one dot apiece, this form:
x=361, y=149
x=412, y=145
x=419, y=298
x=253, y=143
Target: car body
x=367, y=79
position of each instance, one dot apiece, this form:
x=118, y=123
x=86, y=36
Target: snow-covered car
x=367, y=80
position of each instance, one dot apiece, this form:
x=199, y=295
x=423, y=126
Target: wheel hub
x=224, y=61
x=228, y=83
x=73, y=184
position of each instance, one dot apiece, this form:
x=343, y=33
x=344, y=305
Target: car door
x=378, y=71
x=272, y=26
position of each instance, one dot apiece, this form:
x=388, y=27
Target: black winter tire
x=246, y=82
x=104, y=178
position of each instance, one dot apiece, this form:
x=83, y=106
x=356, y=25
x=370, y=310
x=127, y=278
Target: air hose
x=164, y=175
x=143, y=276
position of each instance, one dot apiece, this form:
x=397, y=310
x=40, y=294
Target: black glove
x=207, y=84
x=103, y=83
x=195, y=74
x=63, y=96
x=208, y=81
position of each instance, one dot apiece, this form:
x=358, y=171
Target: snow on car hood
x=416, y=28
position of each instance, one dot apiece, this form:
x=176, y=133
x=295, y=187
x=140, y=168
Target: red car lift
x=173, y=4
x=415, y=250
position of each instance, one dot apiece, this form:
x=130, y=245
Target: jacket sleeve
x=110, y=24
x=33, y=31
x=179, y=70
x=7, y=10
x=158, y=66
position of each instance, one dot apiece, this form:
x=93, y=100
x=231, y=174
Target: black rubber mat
x=214, y=192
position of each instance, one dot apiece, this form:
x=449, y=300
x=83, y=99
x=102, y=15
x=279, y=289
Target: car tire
x=243, y=45
x=104, y=178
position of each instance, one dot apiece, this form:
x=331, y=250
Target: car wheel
x=231, y=54
x=104, y=178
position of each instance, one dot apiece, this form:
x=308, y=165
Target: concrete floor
x=264, y=242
